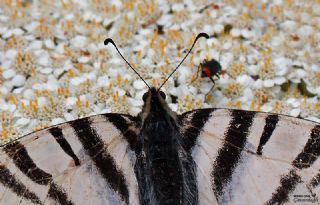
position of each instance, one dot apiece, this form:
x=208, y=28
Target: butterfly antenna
x=109, y=40
x=194, y=42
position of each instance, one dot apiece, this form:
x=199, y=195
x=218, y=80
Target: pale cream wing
x=86, y=161
x=245, y=157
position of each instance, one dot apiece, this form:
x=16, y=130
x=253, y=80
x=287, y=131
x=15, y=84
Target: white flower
x=139, y=84
x=22, y=122
x=18, y=80
x=8, y=74
x=281, y=65
x=313, y=81
x=245, y=80
x=296, y=75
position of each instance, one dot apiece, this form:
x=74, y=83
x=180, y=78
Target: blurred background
x=54, y=66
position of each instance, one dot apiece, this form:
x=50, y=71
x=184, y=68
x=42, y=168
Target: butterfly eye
x=144, y=97
x=163, y=95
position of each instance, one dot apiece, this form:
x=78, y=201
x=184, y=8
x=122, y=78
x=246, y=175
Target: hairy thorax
x=159, y=160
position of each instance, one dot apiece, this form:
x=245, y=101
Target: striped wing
x=86, y=161
x=248, y=157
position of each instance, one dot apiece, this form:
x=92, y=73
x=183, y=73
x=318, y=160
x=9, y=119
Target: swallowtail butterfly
x=204, y=156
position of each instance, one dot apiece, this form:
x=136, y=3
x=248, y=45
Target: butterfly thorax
x=159, y=167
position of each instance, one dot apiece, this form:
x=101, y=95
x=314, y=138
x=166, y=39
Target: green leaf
x=285, y=86
x=303, y=89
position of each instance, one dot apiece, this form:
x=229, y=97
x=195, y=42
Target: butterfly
x=203, y=156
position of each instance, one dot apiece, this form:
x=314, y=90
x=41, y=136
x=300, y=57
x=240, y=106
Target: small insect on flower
x=210, y=68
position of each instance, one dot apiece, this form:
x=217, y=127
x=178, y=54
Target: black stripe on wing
x=311, y=151
x=95, y=148
x=271, y=123
x=18, y=153
x=305, y=159
x=17, y=187
x=56, y=132
x=121, y=124
x=58, y=194
x=193, y=121
x=230, y=153
x=287, y=185
x=315, y=181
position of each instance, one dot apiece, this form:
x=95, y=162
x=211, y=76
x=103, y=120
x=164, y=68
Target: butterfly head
x=155, y=105
x=153, y=94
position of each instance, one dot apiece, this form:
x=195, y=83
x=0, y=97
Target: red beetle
x=210, y=68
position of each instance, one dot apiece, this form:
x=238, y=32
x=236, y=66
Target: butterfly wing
x=246, y=157
x=86, y=161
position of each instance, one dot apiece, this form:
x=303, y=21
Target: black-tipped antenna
x=109, y=40
x=194, y=42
